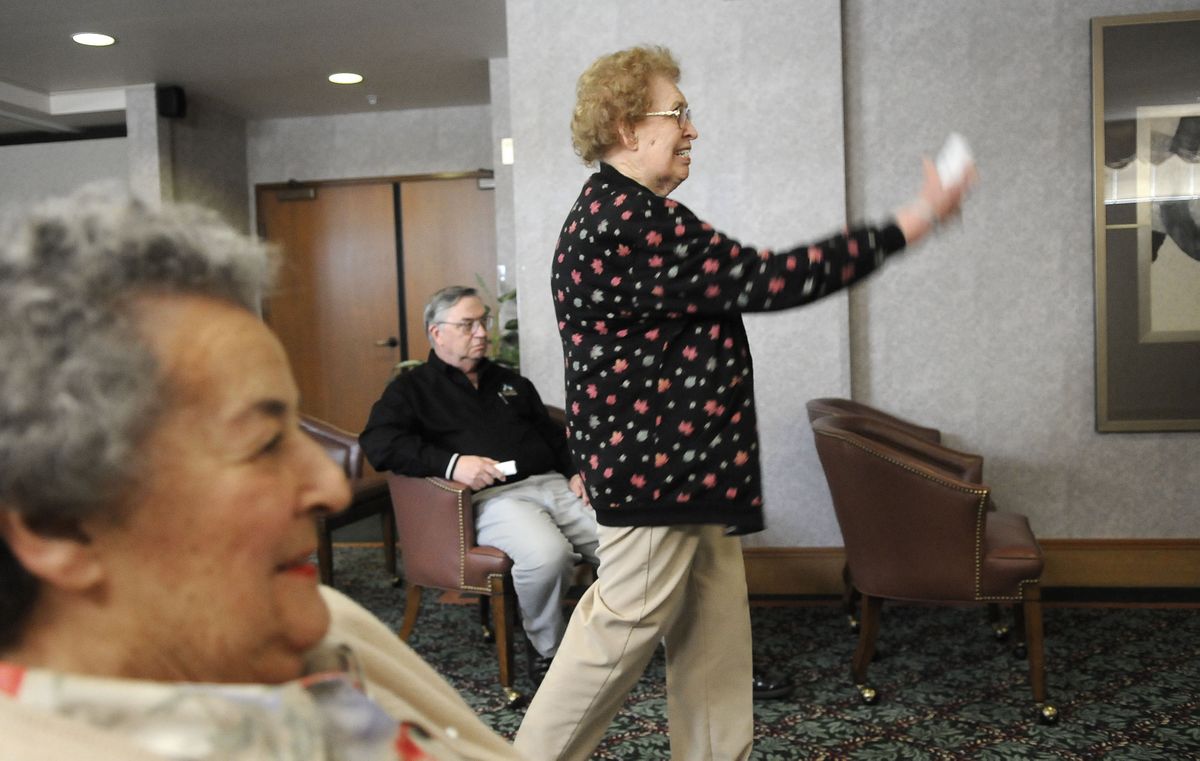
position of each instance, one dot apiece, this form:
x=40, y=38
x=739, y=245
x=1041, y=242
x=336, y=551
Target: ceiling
x=258, y=58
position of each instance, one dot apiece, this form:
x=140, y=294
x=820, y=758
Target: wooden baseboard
x=807, y=571
x=1121, y=562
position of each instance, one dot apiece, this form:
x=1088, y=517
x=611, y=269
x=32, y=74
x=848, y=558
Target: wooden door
x=449, y=233
x=337, y=299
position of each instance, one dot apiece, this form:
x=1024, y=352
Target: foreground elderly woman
x=660, y=400
x=157, y=504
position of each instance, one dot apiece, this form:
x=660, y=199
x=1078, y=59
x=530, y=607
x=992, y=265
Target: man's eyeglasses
x=470, y=326
x=682, y=115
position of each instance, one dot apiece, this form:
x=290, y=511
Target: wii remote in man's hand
x=508, y=467
x=953, y=159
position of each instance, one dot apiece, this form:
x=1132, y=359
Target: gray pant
x=546, y=530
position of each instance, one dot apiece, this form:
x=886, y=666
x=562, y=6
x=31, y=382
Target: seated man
x=460, y=416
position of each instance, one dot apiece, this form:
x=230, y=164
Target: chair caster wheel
x=853, y=622
x=868, y=695
x=1000, y=633
x=1020, y=652
x=1048, y=714
x=487, y=634
x=512, y=698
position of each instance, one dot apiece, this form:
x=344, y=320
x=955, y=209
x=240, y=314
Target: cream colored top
x=58, y=717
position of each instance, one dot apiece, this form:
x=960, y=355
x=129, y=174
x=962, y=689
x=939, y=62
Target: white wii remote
x=953, y=159
x=508, y=467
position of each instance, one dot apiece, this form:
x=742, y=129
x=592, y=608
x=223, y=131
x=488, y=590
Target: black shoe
x=771, y=686
x=538, y=666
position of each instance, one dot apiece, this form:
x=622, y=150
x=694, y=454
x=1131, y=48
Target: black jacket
x=432, y=413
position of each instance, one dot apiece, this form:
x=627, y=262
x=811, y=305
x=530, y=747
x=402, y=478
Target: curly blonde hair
x=614, y=90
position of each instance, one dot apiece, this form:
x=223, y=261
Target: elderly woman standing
x=661, y=412
x=157, y=500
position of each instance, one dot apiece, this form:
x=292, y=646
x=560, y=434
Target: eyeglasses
x=682, y=115
x=470, y=326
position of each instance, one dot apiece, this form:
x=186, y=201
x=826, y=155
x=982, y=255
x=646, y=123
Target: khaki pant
x=683, y=585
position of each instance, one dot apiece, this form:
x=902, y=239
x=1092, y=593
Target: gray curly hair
x=79, y=389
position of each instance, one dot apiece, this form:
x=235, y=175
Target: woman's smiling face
x=208, y=566
x=664, y=148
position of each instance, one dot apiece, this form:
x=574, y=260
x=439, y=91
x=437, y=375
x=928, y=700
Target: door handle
x=390, y=341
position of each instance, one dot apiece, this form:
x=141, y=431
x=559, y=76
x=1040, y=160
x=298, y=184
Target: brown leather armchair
x=370, y=495
x=436, y=525
x=917, y=527
x=819, y=408
x=435, y=521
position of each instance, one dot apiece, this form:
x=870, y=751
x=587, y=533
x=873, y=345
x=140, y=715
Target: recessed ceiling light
x=345, y=78
x=93, y=39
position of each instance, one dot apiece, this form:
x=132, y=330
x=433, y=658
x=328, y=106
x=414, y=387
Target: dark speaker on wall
x=172, y=103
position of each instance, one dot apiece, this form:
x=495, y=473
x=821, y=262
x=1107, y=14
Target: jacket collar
x=610, y=174
x=485, y=369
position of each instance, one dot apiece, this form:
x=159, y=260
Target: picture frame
x=1146, y=140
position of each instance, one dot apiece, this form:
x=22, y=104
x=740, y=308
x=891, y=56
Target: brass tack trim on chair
x=982, y=493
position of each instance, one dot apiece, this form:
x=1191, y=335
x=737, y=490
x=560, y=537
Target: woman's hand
x=576, y=487
x=935, y=203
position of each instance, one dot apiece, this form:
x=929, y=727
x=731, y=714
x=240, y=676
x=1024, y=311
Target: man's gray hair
x=443, y=300
x=79, y=389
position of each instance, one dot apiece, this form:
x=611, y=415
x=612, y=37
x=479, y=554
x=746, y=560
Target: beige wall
x=381, y=144
x=199, y=158
x=208, y=151
x=986, y=332
x=30, y=172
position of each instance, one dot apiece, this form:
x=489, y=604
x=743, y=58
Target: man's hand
x=476, y=472
x=576, y=486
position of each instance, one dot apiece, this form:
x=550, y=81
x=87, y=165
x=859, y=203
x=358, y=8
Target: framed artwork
x=1146, y=136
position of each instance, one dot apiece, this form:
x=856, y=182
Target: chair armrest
x=557, y=414
x=341, y=445
x=435, y=526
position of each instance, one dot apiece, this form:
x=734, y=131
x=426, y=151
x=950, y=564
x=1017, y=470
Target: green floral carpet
x=1126, y=681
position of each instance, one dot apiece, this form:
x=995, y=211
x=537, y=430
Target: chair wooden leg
x=1000, y=628
x=387, y=521
x=485, y=619
x=1033, y=637
x=324, y=553
x=1021, y=649
x=868, y=631
x=503, y=608
x=850, y=597
x=412, y=606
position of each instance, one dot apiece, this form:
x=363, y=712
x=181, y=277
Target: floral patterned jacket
x=659, y=379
